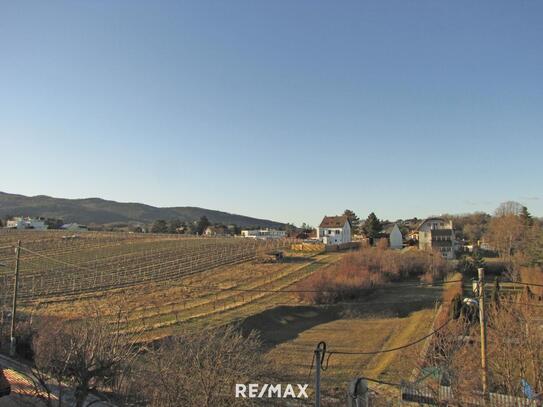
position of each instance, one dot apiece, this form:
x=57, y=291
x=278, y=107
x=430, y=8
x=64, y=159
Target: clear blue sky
x=286, y=110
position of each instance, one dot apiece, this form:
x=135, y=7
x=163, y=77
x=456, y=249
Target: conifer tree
x=355, y=221
x=372, y=226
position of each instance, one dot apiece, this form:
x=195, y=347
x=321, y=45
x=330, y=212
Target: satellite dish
x=471, y=302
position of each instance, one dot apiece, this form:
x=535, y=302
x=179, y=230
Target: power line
x=521, y=283
x=520, y=303
x=389, y=349
x=390, y=285
x=57, y=261
x=381, y=382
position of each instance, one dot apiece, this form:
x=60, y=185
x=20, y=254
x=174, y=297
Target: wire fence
x=45, y=275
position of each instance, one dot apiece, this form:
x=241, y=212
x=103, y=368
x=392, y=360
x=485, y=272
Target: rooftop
x=334, y=221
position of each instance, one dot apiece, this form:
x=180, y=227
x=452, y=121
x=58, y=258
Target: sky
x=285, y=110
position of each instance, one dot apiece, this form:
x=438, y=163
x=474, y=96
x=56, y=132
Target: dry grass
x=451, y=290
x=532, y=275
x=359, y=272
x=373, y=325
x=192, y=302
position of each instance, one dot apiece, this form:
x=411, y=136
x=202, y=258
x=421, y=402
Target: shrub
x=201, y=369
x=359, y=272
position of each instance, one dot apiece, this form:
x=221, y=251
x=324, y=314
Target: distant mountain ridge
x=101, y=211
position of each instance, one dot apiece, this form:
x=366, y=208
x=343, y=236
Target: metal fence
x=443, y=395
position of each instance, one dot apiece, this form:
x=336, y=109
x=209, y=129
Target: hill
x=101, y=211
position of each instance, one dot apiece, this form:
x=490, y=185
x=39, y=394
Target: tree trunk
x=81, y=394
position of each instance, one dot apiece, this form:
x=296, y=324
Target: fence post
x=482, y=322
x=12, y=344
x=318, y=376
x=358, y=393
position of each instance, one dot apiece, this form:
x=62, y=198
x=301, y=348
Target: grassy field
x=393, y=316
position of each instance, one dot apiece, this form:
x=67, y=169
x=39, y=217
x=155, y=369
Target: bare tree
x=84, y=355
x=509, y=208
x=201, y=369
x=516, y=345
x=506, y=234
x=515, y=351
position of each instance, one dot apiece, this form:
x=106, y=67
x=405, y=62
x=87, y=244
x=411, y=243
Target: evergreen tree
x=456, y=306
x=478, y=261
x=289, y=227
x=465, y=266
x=160, y=226
x=372, y=226
x=203, y=223
x=355, y=221
x=526, y=216
x=174, y=225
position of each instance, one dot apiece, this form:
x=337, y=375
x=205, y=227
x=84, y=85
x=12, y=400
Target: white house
x=264, y=233
x=26, y=223
x=334, y=230
x=216, y=231
x=395, y=238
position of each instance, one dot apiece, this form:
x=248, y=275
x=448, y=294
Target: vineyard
x=163, y=280
x=53, y=265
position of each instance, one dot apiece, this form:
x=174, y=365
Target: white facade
x=396, y=238
x=26, y=223
x=216, y=231
x=334, y=230
x=264, y=233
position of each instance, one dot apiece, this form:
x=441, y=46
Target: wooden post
x=482, y=323
x=14, y=305
x=318, y=376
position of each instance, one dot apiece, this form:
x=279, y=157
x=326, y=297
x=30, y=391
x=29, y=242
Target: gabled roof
x=430, y=219
x=334, y=221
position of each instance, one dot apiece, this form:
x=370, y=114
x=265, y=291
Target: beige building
x=438, y=234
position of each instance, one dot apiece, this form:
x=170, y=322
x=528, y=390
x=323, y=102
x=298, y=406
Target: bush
x=359, y=272
x=201, y=369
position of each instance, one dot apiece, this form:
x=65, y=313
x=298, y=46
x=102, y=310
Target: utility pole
x=14, y=305
x=318, y=376
x=482, y=323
